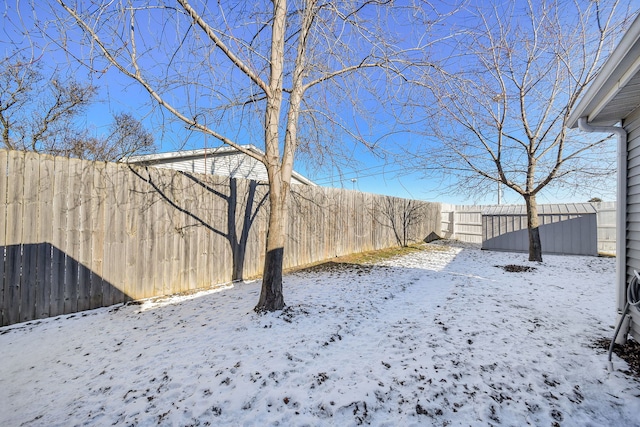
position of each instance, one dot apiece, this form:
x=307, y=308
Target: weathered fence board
x=29, y=269
x=15, y=216
x=59, y=212
x=96, y=235
x=72, y=250
x=3, y=233
x=114, y=249
x=85, y=247
x=44, y=236
x=167, y=236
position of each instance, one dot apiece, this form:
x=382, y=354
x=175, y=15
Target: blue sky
x=386, y=171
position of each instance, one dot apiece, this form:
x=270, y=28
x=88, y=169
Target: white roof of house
x=186, y=154
x=615, y=92
x=225, y=149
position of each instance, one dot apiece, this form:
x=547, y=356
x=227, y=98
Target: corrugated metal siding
x=564, y=229
x=632, y=127
x=551, y=209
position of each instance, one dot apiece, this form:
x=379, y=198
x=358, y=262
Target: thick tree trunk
x=535, y=245
x=271, y=298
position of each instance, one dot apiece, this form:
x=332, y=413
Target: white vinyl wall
x=632, y=126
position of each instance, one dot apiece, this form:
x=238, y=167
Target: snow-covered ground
x=439, y=337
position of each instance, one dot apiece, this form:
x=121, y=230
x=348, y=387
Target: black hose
x=633, y=300
x=615, y=334
x=633, y=291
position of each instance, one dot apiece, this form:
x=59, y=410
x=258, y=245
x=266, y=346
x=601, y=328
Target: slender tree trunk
x=535, y=245
x=5, y=133
x=237, y=250
x=247, y=222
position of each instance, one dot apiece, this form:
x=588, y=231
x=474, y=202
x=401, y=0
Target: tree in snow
x=233, y=69
x=41, y=114
x=505, y=97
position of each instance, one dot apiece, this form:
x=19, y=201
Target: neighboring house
x=610, y=105
x=224, y=161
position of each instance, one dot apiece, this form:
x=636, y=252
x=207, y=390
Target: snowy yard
x=439, y=337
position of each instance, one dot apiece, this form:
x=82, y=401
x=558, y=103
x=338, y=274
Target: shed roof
x=615, y=92
x=552, y=209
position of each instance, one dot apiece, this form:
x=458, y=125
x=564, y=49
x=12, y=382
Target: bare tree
x=402, y=216
x=16, y=83
x=38, y=114
x=126, y=136
x=505, y=101
x=236, y=69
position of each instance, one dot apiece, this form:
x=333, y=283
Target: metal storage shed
x=564, y=229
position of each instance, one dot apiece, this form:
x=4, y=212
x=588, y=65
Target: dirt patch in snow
x=630, y=353
x=332, y=267
x=513, y=268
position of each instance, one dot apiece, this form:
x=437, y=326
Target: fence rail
x=77, y=235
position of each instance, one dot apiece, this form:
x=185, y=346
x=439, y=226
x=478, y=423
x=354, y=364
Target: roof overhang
x=182, y=154
x=615, y=92
x=187, y=154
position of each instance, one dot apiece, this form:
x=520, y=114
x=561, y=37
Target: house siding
x=632, y=226
x=234, y=165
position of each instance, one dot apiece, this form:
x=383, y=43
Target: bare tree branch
x=508, y=99
x=274, y=72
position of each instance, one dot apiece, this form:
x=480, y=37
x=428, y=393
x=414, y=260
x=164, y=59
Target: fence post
x=453, y=223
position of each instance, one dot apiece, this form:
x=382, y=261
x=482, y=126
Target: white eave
x=615, y=92
x=186, y=154
x=182, y=154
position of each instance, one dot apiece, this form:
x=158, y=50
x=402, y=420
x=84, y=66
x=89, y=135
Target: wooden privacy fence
x=78, y=235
